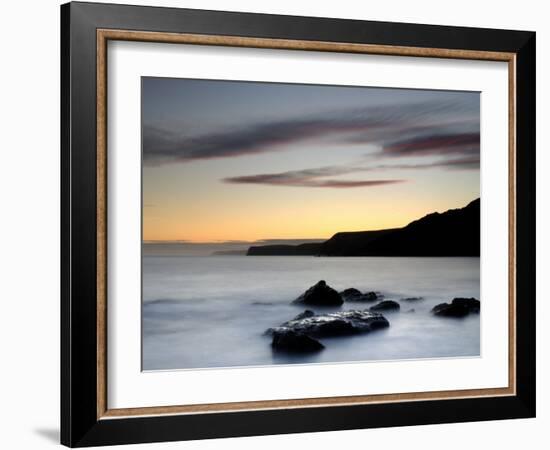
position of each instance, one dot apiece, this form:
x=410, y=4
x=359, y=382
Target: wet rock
x=412, y=299
x=386, y=305
x=459, y=307
x=292, y=341
x=472, y=304
x=304, y=315
x=320, y=294
x=333, y=324
x=350, y=293
x=355, y=295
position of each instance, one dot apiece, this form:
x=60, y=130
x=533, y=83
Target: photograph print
x=306, y=224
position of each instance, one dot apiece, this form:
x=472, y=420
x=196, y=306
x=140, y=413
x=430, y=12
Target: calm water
x=211, y=311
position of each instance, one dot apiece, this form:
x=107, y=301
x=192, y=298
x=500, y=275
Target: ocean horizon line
x=236, y=242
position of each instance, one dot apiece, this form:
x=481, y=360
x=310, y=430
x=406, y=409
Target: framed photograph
x=276, y=224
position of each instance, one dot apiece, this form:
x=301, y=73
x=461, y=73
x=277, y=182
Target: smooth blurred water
x=211, y=311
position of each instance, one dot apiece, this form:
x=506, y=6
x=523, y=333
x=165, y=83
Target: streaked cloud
x=280, y=180
x=310, y=178
x=435, y=144
x=451, y=127
x=323, y=176
x=467, y=162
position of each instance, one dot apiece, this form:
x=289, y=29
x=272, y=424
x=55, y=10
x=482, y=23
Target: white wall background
x=29, y=225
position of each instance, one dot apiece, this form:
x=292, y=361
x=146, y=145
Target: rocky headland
x=454, y=232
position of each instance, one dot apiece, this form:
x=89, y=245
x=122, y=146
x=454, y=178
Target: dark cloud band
x=435, y=144
x=291, y=180
x=455, y=130
x=317, y=177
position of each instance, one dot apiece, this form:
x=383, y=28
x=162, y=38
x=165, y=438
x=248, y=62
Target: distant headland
x=455, y=232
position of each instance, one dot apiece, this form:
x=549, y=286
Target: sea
x=212, y=311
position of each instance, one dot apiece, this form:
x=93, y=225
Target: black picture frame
x=80, y=425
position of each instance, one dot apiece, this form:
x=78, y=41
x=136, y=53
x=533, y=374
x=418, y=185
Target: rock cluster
x=301, y=333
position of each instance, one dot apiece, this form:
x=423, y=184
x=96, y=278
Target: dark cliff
x=455, y=232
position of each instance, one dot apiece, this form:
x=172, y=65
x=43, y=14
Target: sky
x=245, y=161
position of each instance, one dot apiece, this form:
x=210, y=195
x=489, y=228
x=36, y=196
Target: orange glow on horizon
x=302, y=221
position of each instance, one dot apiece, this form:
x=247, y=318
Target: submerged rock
x=320, y=294
x=412, y=299
x=459, y=307
x=292, y=341
x=386, y=305
x=355, y=295
x=332, y=324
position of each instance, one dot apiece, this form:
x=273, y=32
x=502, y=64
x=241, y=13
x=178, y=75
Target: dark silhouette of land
x=455, y=232
x=229, y=253
x=311, y=248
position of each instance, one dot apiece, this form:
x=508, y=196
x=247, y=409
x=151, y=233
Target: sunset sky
x=245, y=161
